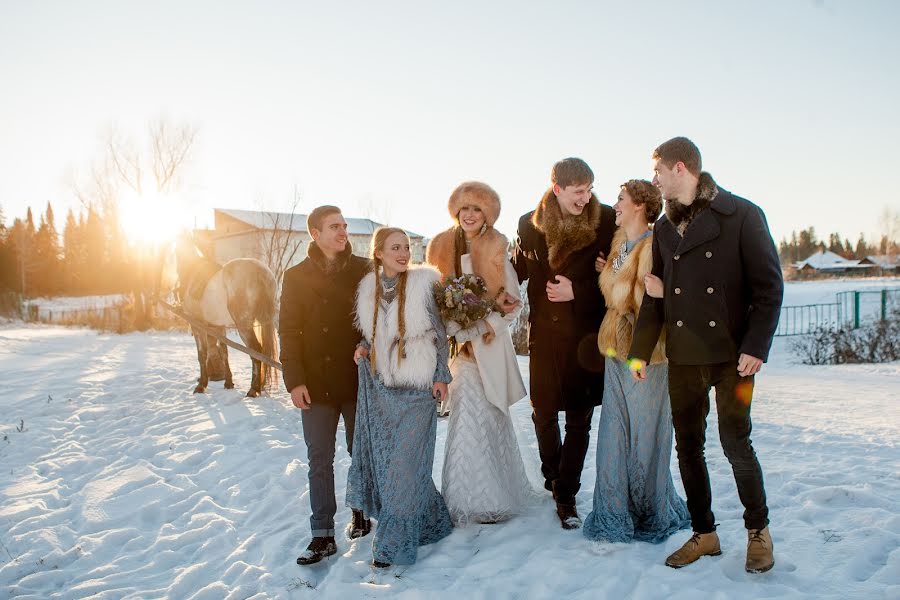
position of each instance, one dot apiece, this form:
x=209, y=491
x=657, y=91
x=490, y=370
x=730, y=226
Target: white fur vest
x=416, y=370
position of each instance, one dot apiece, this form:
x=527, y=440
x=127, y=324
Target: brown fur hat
x=478, y=194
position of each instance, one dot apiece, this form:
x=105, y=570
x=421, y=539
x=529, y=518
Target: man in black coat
x=556, y=250
x=722, y=296
x=318, y=339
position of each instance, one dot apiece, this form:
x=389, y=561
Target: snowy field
x=118, y=482
x=824, y=291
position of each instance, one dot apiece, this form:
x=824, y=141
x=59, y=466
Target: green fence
x=851, y=309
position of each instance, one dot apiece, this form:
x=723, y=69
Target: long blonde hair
x=378, y=239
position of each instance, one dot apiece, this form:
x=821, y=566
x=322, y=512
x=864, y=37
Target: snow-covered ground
x=118, y=482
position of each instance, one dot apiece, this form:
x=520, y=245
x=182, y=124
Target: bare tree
x=279, y=244
x=890, y=229
x=171, y=146
x=127, y=164
x=380, y=212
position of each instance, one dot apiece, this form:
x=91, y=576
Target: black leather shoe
x=318, y=548
x=380, y=565
x=568, y=516
x=359, y=525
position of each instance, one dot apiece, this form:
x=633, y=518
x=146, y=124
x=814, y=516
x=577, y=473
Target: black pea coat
x=316, y=328
x=723, y=286
x=566, y=367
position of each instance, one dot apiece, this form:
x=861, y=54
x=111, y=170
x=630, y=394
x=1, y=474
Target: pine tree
x=862, y=249
x=47, y=255
x=73, y=256
x=7, y=258
x=96, y=262
x=21, y=241
x=848, y=249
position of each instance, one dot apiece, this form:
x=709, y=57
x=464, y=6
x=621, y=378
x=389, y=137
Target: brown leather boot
x=700, y=544
x=760, y=556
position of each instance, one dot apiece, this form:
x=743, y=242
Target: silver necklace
x=619, y=261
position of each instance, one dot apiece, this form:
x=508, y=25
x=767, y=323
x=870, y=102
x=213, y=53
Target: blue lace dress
x=635, y=496
x=393, y=455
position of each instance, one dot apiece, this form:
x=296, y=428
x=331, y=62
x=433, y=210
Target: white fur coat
x=497, y=363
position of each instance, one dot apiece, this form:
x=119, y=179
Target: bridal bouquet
x=463, y=300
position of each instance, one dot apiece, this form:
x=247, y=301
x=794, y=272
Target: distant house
x=825, y=262
x=887, y=264
x=252, y=234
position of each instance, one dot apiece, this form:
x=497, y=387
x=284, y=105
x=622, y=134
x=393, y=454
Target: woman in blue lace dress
x=634, y=497
x=402, y=371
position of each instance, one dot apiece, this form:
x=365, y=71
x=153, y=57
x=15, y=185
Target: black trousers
x=320, y=423
x=562, y=461
x=689, y=387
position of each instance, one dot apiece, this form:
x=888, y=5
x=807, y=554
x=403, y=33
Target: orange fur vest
x=624, y=292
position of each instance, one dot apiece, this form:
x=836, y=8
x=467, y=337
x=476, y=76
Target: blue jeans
x=319, y=430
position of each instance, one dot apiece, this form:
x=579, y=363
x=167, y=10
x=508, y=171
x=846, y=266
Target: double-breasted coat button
x=679, y=322
x=555, y=318
x=712, y=323
x=324, y=330
x=677, y=256
x=327, y=359
x=709, y=290
x=708, y=254
x=677, y=290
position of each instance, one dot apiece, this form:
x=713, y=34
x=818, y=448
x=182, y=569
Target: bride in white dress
x=483, y=477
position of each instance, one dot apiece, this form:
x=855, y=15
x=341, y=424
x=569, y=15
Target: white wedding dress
x=483, y=477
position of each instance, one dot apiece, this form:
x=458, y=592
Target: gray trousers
x=319, y=429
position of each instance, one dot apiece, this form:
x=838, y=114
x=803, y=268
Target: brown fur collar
x=565, y=235
x=681, y=215
x=489, y=253
x=624, y=293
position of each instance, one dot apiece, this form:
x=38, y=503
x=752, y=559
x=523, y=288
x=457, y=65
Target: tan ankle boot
x=700, y=544
x=759, y=551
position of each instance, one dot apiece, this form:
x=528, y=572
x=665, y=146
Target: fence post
x=855, y=310
x=884, y=304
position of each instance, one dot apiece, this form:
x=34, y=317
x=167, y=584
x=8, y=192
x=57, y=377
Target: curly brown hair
x=643, y=193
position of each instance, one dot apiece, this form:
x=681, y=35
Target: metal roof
x=297, y=222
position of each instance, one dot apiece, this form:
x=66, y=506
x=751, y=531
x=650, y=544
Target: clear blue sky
x=792, y=102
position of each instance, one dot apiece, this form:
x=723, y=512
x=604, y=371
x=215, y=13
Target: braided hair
x=378, y=240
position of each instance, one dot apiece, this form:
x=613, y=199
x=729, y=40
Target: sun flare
x=150, y=218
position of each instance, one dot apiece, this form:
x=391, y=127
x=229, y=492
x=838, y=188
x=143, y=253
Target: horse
x=239, y=294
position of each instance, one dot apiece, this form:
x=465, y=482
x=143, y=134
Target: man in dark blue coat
x=722, y=296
